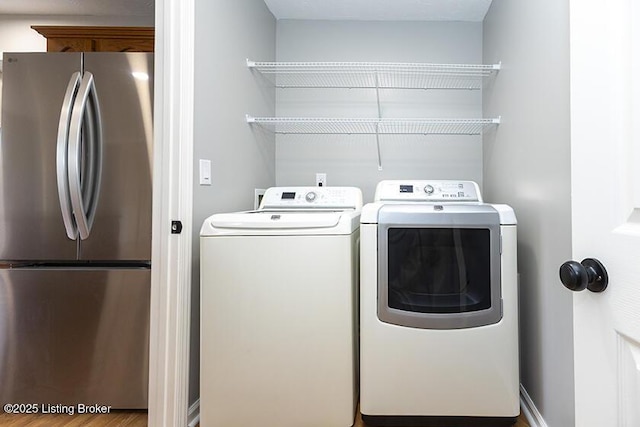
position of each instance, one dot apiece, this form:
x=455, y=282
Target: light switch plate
x=205, y=172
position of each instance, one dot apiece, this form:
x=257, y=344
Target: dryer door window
x=439, y=270
x=441, y=274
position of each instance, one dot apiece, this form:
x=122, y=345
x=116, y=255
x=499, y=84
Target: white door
x=605, y=151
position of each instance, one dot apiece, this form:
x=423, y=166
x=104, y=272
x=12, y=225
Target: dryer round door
x=439, y=266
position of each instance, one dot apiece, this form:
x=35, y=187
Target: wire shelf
x=373, y=126
x=374, y=75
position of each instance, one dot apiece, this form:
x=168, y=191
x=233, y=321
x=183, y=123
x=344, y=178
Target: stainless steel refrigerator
x=75, y=228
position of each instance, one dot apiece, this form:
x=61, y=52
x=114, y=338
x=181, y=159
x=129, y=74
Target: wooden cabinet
x=97, y=39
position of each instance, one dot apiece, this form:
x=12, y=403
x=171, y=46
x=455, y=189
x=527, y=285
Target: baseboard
x=193, y=416
x=531, y=413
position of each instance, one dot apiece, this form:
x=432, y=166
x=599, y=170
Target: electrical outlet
x=321, y=179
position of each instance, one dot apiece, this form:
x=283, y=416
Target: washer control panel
x=428, y=191
x=327, y=198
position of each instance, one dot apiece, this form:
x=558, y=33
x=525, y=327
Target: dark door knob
x=588, y=274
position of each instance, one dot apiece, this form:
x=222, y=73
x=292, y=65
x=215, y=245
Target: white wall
x=227, y=32
x=16, y=34
x=527, y=164
x=352, y=159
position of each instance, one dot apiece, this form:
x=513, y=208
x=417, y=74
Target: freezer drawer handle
x=62, y=167
x=85, y=155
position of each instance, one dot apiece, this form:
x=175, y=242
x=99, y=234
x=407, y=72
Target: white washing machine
x=279, y=311
x=438, y=307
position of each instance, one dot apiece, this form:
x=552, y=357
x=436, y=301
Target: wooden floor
x=114, y=419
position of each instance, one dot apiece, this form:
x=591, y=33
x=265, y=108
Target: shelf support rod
x=379, y=118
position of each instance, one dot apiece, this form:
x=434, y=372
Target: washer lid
x=281, y=223
x=276, y=219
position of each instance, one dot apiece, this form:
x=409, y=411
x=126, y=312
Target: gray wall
x=226, y=33
x=352, y=159
x=527, y=164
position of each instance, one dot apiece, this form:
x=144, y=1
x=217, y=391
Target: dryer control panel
x=310, y=198
x=428, y=191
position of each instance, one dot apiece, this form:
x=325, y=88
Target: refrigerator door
x=33, y=91
x=122, y=224
x=73, y=336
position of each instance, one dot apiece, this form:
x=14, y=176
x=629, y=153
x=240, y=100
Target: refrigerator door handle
x=62, y=146
x=91, y=193
x=85, y=155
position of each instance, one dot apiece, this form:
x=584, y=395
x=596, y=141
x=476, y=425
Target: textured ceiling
x=381, y=10
x=78, y=7
x=370, y=10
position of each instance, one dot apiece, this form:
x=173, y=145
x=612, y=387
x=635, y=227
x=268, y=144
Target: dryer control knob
x=311, y=196
x=429, y=189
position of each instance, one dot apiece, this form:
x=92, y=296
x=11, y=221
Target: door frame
x=172, y=200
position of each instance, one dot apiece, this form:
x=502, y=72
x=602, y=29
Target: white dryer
x=438, y=307
x=279, y=311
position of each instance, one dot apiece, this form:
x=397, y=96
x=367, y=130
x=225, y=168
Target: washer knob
x=311, y=196
x=429, y=189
